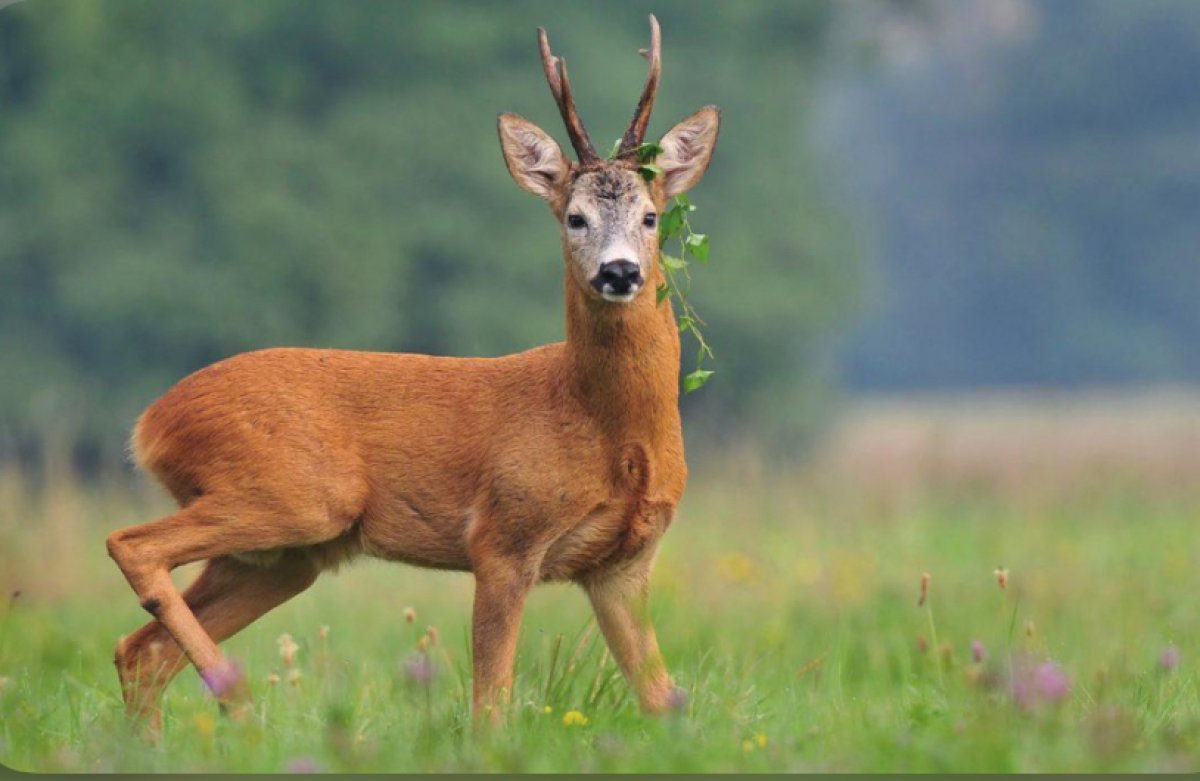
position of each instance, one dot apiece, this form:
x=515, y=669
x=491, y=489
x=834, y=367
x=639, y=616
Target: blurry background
x=952, y=293
x=908, y=196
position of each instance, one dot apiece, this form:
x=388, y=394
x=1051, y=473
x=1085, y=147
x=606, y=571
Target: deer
x=561, y=463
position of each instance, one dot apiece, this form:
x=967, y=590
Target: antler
x=641, y=117
x=560, y=87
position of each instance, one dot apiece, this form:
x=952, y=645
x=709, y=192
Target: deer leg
x=620, y=600
x=206, y=529
x=226, y=597
x=500, y=593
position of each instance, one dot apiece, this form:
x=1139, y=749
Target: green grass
x=787, y=610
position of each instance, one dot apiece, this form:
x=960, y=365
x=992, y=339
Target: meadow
x=1060, y=630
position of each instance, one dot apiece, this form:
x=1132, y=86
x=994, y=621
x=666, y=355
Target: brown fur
x=564, y=462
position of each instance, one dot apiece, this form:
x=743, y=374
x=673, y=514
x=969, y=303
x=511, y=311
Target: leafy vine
x=674, y=225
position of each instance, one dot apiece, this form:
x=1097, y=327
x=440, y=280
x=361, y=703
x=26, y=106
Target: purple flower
x=1043, y=684
x=677, y=699
x=1169, y=659
x=303, y=765
x=1052, y=682
x=223, y=679
x=978, y=651
x=419, y=668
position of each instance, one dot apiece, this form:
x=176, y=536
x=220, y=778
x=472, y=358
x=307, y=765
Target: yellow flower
x=761, y=740
x=205, y=724
x=548, y=709
x=737, y=567
x=574, y=718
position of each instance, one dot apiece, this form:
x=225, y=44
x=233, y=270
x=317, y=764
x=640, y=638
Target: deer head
x=607, y=212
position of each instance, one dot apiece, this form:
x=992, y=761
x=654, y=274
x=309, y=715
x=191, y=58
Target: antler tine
x=641, y=117
x=560, y=88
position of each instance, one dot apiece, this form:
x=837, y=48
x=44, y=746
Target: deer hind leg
x=226, y=597
x=207, y=529
x=620, y=599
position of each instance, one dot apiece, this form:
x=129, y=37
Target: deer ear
x=687, y=150
x=532, y=156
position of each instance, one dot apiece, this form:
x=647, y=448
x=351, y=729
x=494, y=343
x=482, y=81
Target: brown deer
x=561, y=463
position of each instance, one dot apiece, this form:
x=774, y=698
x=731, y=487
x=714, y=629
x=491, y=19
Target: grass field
x=786, y=605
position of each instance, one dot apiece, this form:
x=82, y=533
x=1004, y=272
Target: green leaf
x=669, y=224
x=616, y=147
x=686, y=322
x=649, y=171
x=672, y=262
x=648, y=151
x=697, y=245
x=684, y=203
x=662, y=292
x=696, y=380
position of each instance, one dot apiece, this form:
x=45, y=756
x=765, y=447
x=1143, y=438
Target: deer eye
x=650, y=220
x=576, y=221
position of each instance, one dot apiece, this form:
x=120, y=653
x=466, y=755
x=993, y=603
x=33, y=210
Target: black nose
x=617, y=277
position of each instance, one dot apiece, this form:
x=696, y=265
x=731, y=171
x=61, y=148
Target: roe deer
x=564, y=462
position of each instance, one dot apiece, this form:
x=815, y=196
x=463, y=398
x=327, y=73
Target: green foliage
x=675, y=225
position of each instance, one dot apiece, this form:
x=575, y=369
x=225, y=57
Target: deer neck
x=622, y=363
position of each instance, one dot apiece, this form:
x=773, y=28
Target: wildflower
x=432, y=634
x=410, y=615
x=736, y=567
x=761, y=740
x=978, y=651
x=924, y=589
x=677, y=699
x=1046, y=683
x=1053, y=683
x=423, y=644
x=287, y=649
x=1029, y=630
x=293, y=676
x=548, y=709
x=323, y=632
x=1001, y=577
x=922, y=644
x=303, y=765
x=419, y=668
x=574, y=718
x=205, y=724
x=273, y=679
x=1168, y=660
x=222, y=679
x=747, y=745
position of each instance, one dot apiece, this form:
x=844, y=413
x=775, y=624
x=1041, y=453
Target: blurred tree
x=1030, y=174
x=183, y=181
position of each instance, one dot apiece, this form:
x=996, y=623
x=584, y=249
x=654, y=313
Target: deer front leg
x=500, y=591
x=620, y=600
